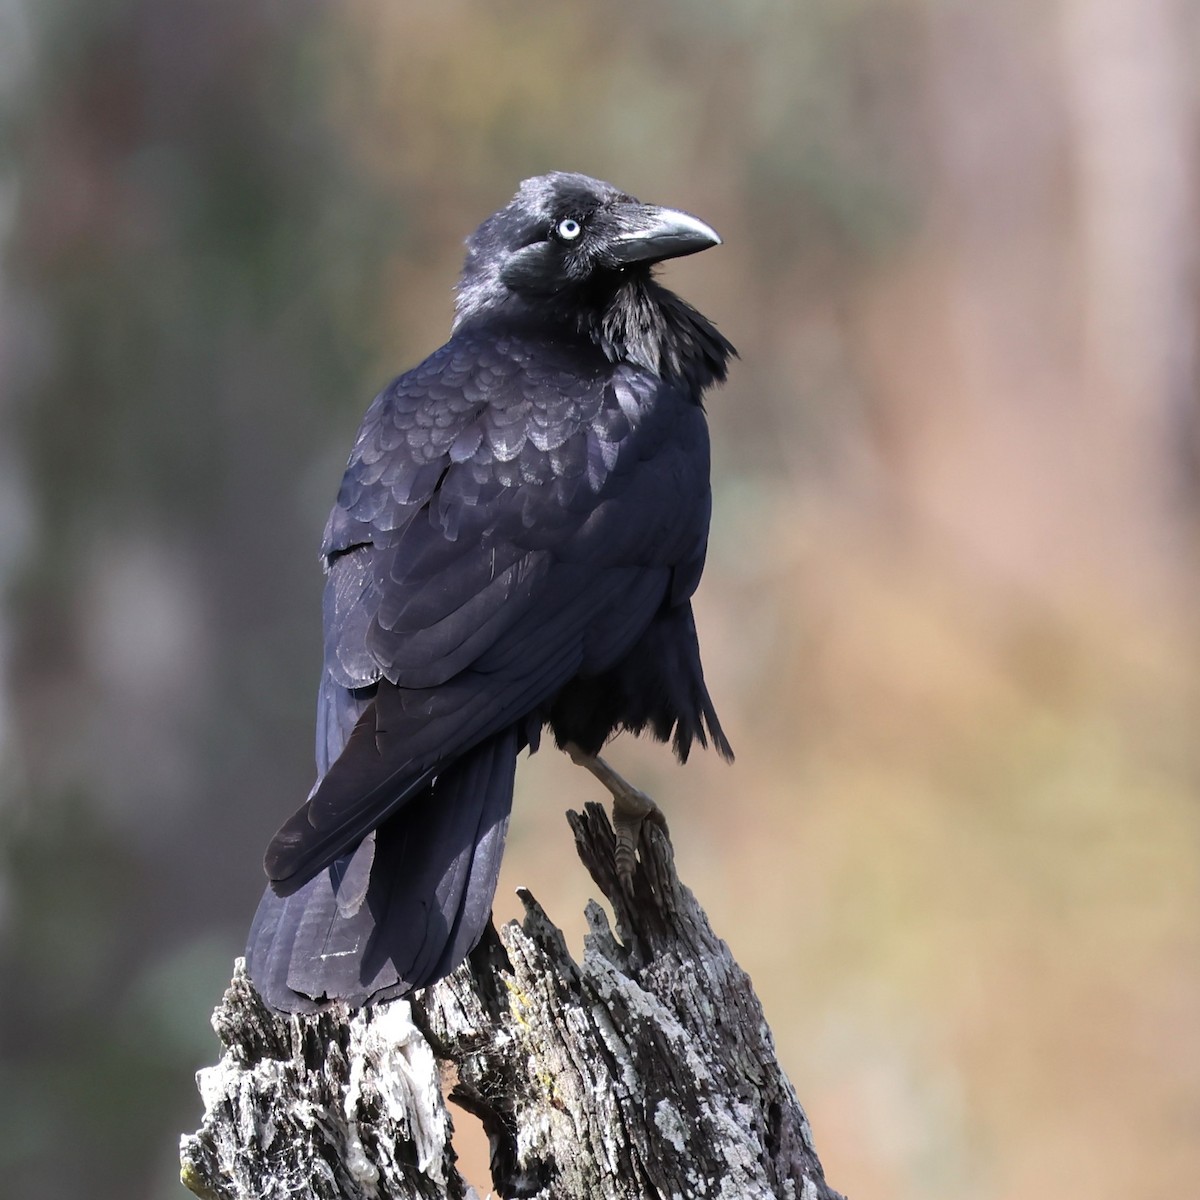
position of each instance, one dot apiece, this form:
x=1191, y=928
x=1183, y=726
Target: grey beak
x=646, y=233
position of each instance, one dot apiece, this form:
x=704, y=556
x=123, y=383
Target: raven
x=518, y=534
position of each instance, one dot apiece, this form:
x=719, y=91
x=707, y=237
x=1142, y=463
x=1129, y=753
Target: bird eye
x=569, y=229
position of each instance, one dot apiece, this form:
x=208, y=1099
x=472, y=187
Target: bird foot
x=631, y=807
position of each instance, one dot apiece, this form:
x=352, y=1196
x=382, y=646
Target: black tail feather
x=432, y=867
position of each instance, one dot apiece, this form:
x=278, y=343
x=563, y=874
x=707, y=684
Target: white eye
x=569, y=229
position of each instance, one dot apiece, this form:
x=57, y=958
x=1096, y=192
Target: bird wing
x=506, y=522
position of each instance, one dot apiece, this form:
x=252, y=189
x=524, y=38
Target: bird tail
x=403, y=908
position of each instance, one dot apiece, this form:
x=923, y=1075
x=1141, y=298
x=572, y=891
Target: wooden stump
x=646, y=1070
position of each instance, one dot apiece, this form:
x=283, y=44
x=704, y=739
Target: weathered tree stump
x=646, y=1070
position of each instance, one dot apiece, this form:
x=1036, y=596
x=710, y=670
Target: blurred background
x=950, y=616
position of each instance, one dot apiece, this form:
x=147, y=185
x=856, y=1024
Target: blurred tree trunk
x=645, y=1070
x=1035, y=352
x=1129, y=80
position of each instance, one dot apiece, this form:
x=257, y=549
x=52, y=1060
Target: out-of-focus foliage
x=950, y=613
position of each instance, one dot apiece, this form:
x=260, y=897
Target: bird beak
x=646, y=233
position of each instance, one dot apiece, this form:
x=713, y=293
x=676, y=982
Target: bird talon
x=631, y=807
x=625, y=849
x=627, y=830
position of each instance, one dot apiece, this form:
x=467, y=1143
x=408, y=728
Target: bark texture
x=646, y=1070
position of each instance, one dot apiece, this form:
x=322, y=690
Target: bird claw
x=631, y=808
x=628, y=819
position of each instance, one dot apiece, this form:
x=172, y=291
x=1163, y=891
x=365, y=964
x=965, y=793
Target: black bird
x=521, y=526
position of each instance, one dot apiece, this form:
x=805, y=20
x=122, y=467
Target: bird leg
x=630, y=808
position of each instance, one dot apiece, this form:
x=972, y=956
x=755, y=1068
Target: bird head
x=567, y=244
